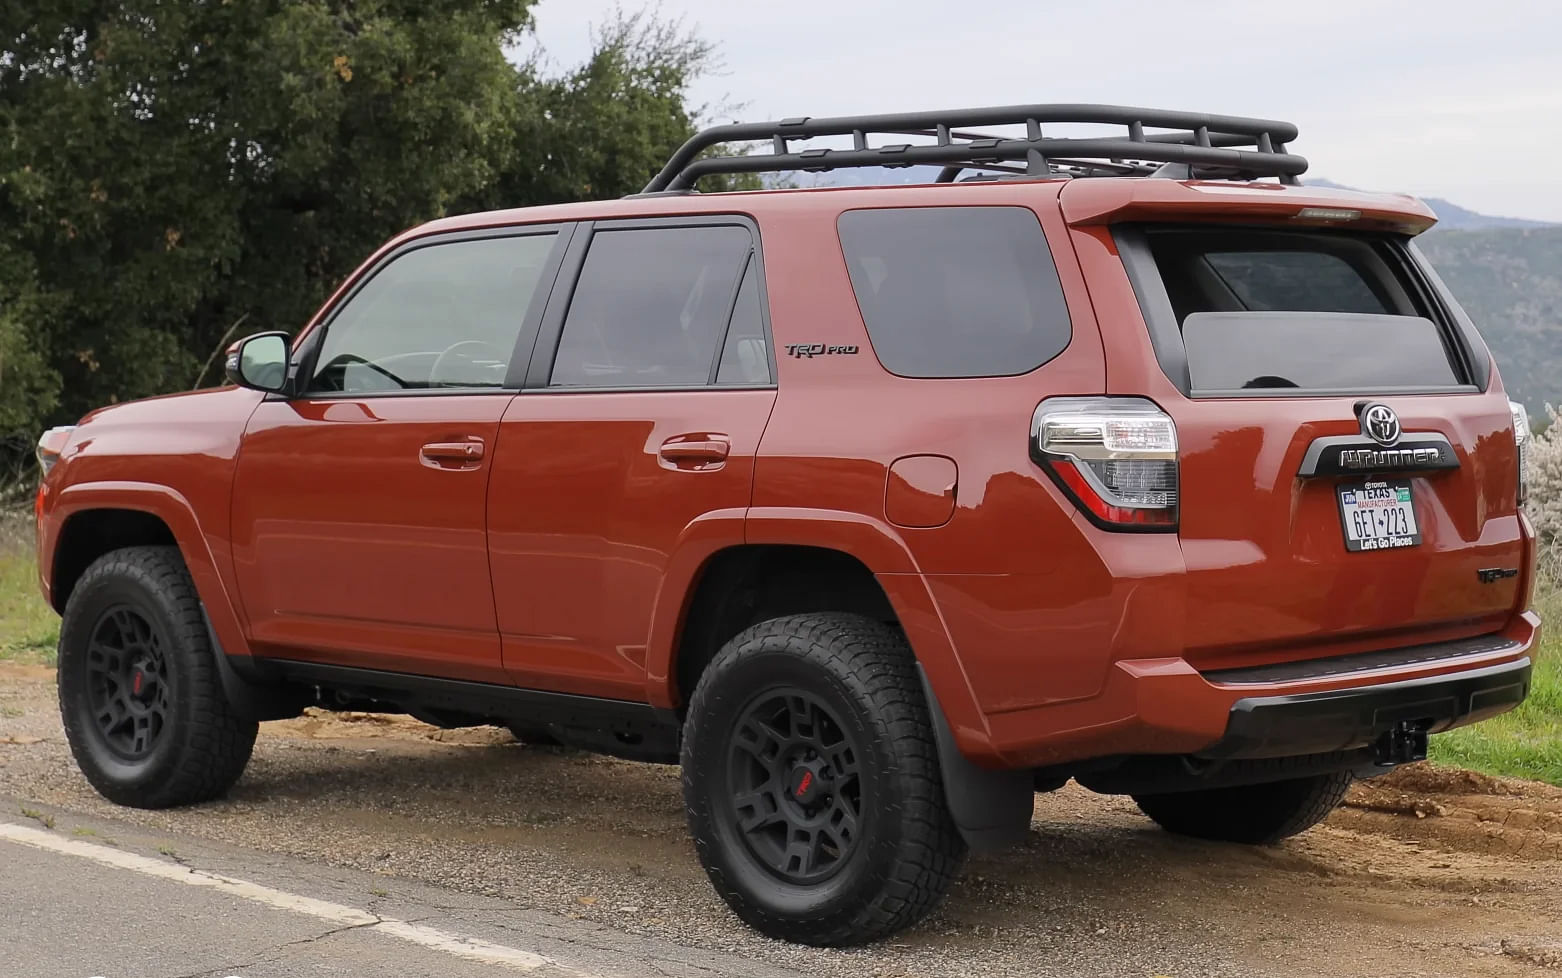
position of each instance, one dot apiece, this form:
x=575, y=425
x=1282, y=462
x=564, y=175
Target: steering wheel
x=345, y=360
x=468, y=350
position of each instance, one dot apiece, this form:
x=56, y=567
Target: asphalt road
x=94, y=897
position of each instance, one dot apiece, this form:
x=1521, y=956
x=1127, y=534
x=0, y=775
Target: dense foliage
x=175, y=172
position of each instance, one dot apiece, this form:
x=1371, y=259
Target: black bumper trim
x=1347, y=719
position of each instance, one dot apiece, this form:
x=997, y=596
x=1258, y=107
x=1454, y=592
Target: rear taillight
x=1521, y=439
x=1115, y=457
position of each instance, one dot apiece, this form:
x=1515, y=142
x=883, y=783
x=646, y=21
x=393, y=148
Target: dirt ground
x=1424, y=872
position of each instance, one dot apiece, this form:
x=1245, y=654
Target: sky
x=1455, y=100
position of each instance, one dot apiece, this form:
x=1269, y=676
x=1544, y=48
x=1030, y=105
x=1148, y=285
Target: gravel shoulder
x=1427, y=872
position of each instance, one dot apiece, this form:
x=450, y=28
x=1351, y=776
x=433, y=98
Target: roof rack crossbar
x=1250, y=147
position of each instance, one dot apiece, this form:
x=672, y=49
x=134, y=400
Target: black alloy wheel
x=795, y=784
x=128, y=683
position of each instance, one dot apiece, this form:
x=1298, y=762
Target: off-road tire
x=1256, y=814
x=203, y=744
x=906, y=849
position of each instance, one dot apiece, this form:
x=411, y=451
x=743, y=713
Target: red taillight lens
x=1115, y=457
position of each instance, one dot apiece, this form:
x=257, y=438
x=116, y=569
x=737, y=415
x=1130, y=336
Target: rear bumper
x=1346, y=719
x=1166, y=706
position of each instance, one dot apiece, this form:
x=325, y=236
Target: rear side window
x=956, y=291
x=745, y=356
x=652, y=308
x=1281, y=310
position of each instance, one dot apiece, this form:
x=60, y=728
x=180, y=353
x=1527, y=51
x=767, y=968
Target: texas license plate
x=1378, y=515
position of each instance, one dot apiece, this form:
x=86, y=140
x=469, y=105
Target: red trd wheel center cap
x=140, y=684
x=809, y=782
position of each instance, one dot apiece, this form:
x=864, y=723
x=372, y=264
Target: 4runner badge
x=801, y=350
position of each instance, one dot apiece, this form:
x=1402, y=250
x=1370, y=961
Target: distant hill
x=1510, y=282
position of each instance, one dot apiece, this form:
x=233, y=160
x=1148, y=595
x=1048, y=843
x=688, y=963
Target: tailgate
x=1348, y=470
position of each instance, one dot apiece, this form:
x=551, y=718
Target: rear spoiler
x=1096, y=202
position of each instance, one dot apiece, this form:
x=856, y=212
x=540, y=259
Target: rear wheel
x=1254, y=813
x=140, y=697
x=812, y=785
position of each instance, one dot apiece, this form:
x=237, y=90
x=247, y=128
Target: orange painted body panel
x=172, y=457
x=562, y=554
x=353, y=548
x=586, y=515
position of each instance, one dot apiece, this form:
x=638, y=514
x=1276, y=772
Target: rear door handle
x=466, y=454
x=694, y=451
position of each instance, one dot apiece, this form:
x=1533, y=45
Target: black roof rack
x=1198, y=145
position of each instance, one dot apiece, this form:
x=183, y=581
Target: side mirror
x=259, y=362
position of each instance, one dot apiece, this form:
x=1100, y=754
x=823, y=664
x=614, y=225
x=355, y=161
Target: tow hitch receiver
x=1401, y=745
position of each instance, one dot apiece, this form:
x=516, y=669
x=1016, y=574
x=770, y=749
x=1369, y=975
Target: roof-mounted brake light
x=1328, y=214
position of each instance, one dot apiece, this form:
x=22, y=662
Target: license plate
x=1378, y=515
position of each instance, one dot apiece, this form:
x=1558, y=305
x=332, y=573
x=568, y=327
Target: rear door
x=636, y=433
x=1348, y=467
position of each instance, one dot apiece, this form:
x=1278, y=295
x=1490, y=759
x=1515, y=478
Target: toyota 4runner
x=1120, y=458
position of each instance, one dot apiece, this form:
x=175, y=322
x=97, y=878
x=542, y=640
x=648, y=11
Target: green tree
x=603, y=129
x=175, y=172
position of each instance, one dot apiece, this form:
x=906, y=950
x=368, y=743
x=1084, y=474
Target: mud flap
x=992, y=809
x=251, y=700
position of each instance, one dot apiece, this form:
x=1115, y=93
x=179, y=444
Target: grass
x=29, y=628
x=1526, y=742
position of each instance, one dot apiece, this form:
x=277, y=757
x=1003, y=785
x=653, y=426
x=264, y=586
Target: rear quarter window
x=956, y=291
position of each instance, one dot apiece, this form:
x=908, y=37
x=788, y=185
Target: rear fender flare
x=877, y=546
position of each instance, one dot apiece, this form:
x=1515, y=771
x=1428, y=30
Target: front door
x=644, y=409
x=359, y=506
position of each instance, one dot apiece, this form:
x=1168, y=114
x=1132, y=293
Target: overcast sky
x=1455, y=100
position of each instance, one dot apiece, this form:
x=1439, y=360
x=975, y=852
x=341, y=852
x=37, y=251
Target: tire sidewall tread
x=205, y=744
x=908, y=851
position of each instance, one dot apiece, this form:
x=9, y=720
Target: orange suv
x=1123, y=459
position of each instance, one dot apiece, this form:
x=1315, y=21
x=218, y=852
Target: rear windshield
x=1277, y=310
x=956, y=291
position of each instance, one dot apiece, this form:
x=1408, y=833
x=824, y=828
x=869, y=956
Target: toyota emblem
x=1380, y=423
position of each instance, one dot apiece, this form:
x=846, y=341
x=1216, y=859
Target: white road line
x=471, y=949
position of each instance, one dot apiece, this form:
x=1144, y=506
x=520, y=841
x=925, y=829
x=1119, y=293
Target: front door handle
x=466, y=454
x=696, y=451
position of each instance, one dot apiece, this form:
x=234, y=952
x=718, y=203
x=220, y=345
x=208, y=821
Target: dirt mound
x=1429, y=779
x=318, y=724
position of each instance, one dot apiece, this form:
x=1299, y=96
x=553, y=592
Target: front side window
x=652, y=307
x=956, y=291
x=445, y=315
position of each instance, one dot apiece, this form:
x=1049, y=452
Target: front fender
x=178, y=515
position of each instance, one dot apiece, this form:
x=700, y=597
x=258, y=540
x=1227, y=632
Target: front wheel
x=1252, y=813
x=811, y=780
x=140, y=696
